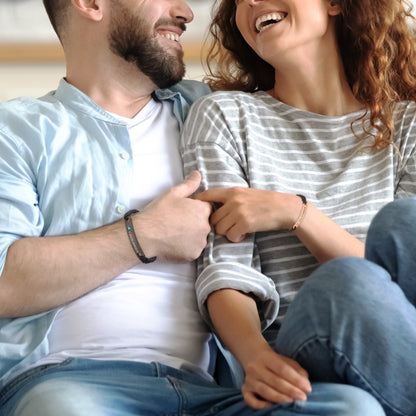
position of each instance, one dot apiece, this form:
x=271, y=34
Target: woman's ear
x=334, y=9
x=90, y=9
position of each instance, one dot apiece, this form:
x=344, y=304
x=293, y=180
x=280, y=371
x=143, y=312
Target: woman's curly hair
x=377, y=46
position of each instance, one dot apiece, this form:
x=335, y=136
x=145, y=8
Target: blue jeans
x=80, y=387
x=354, y=320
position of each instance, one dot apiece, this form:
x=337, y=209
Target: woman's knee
x=346, y=277
x=341, y=290
x=398, y=213
x=346, y=288
x=390, y=240
x=392, y=224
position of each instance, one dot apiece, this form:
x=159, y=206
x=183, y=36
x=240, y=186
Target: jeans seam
x=336, y=351
x=174, y=383
x=183, y=401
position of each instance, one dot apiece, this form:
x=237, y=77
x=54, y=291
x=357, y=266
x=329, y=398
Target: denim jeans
x=354, y=320
x=81, y=387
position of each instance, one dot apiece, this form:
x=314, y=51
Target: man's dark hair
x=57, y=10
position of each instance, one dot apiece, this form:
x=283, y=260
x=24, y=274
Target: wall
x=36, y=79
x=25, y=21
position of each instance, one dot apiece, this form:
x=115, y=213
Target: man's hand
x=174, y=227
x=42, y=273
x=273, y=378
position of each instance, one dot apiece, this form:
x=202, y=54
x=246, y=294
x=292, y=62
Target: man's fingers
x=189, y=185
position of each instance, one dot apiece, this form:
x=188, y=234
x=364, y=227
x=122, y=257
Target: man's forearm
x=45, y=272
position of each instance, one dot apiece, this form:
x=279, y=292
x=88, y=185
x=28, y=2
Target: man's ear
x=334, y=9
x=90, y=9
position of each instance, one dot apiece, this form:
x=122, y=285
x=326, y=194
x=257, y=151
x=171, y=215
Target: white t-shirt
x=148, y=313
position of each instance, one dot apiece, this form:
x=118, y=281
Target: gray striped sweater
x=253, y=140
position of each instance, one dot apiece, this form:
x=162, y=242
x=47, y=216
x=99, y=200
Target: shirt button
x=121, y=209
x=125, y=155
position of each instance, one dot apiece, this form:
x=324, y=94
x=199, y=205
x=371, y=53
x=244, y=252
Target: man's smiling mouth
x=263, y=22
x=170, y=36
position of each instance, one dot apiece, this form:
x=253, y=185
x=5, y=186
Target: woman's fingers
x=273, y=378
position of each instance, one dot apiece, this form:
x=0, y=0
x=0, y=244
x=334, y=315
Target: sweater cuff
x=244, y=279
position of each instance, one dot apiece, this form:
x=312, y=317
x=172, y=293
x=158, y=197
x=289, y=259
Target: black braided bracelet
x=133, y=239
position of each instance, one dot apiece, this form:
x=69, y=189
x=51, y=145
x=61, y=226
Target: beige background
x=27, y=72
x=25, y=23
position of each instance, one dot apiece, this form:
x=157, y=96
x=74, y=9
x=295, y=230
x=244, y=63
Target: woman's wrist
x=251, y=349
x=291, y=210
x=302, y=213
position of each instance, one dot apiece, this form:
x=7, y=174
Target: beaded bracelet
x=133, y=239
x=302, y=213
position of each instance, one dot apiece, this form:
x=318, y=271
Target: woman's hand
x=270, y=377
x=273, y=378
x=247, y=210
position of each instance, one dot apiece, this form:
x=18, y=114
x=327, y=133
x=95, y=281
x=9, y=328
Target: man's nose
x=182, y=11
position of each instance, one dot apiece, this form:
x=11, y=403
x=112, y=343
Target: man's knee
x=337, y=400
x=355, y=401
x=56, y=397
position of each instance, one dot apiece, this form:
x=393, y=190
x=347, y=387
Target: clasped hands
x=247, y=210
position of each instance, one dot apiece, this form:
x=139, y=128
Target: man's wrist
x=128, y=220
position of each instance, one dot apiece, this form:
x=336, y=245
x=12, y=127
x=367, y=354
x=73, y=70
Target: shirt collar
x=76, y=99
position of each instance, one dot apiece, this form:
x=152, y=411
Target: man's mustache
x=171, y=22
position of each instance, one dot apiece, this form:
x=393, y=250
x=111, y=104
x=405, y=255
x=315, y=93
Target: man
x=97, y=302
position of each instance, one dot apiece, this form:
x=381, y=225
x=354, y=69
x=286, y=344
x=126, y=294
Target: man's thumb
x=189, y=185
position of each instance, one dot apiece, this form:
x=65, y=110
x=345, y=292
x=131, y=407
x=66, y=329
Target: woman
x=316, y=134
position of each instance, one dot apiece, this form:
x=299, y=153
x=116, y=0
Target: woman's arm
x=270, y=377
x=247, y=210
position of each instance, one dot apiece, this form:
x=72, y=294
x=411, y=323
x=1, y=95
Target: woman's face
x=284, y=29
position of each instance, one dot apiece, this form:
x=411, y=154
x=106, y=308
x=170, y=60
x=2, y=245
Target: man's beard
x=131, y=38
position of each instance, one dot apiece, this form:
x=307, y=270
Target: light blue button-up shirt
x=64, y=163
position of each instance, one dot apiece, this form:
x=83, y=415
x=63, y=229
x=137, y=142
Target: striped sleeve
x=406, y=156
x=208, y=145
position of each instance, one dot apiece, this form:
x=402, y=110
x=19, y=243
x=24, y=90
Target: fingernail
x=301, y=397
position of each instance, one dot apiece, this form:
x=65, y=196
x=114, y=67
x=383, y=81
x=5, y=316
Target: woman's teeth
x=268, y=19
